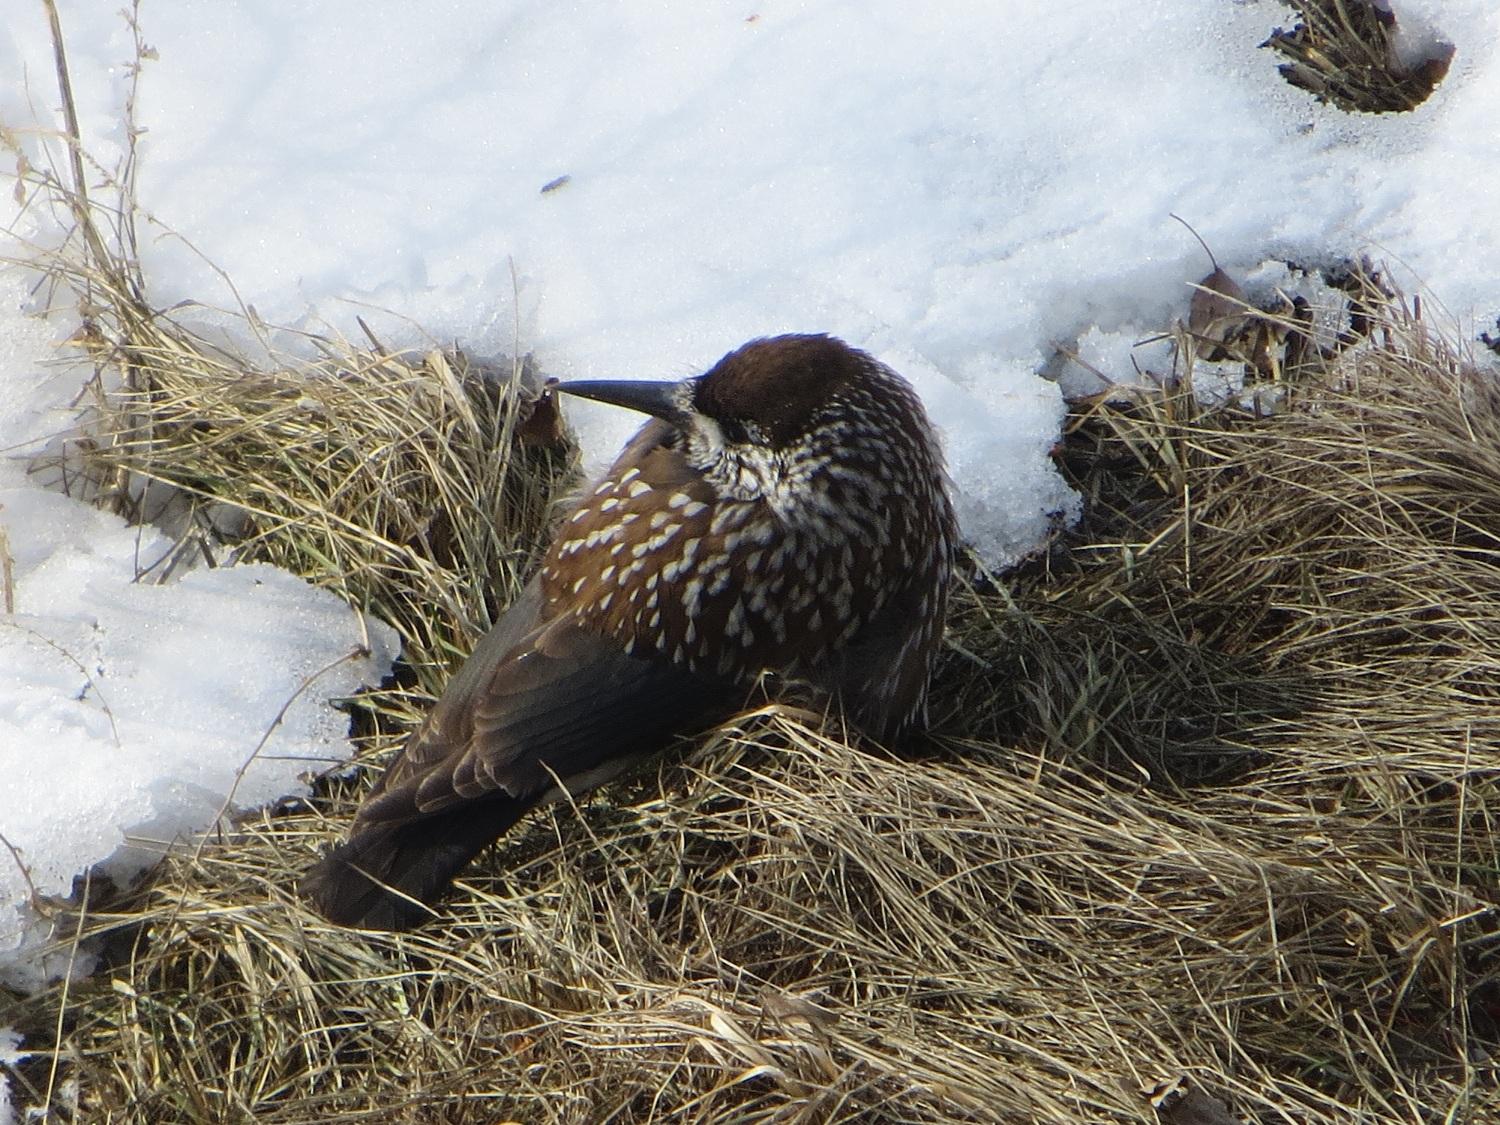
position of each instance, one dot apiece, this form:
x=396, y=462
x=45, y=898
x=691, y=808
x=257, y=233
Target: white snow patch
x=970, y=188
x=133, y=715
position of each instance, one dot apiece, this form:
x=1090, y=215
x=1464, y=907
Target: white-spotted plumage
x=791, y=538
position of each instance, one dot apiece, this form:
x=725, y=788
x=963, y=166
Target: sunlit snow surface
x=957, y=188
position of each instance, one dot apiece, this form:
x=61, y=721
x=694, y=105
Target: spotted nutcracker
x=786, y=512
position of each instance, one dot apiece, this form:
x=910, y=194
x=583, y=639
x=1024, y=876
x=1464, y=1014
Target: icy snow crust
x=957, y=188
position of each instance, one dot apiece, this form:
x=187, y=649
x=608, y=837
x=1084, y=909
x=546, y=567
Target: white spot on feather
x=730, y=515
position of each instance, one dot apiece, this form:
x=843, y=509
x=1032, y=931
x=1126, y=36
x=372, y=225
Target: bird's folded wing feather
x=540, y=703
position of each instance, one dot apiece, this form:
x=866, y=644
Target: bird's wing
x=537, y=703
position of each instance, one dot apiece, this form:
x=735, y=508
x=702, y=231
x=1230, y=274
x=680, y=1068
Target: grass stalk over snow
x=394, y=479
x=1209, y=803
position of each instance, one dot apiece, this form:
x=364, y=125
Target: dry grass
x=1344, y=52
x=1209, y=797
x=396, y=480
x=790, y=928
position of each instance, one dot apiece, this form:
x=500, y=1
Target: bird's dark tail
x=387, y=876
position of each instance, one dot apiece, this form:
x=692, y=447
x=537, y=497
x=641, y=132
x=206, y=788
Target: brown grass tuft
x=1345, y=52
x=395, y=479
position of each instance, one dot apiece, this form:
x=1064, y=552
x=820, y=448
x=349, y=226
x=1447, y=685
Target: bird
x=788, y=512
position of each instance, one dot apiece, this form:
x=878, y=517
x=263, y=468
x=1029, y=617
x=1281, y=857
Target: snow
x=133, y=713
x=961, y=190
x=145, y=711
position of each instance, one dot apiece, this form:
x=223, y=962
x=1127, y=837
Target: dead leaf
x=540, y=423
x=1218, y=314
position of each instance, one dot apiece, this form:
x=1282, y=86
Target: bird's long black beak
x=649, y=397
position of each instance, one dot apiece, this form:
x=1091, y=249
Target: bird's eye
x=734, y=431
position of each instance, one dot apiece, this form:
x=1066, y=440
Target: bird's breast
x=721, y=586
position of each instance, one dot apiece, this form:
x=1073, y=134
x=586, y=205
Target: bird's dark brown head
x=782, y=412
x=769, y=393
x=772, y=390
